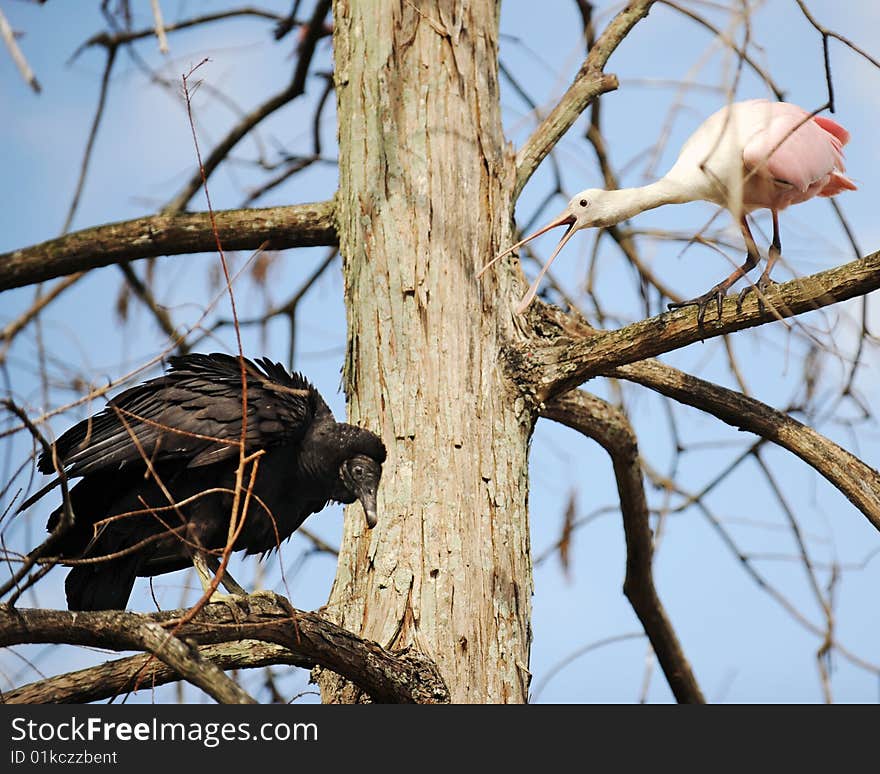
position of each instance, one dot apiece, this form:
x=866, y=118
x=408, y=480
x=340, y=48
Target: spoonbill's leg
x=718, y=292
x=764, y=282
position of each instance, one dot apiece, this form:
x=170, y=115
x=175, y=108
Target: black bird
x=158, y=468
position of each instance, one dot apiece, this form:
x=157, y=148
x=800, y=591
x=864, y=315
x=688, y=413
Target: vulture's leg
x=718, y=292
x=211, y=564
x=206, y=567
x=764, y=282
x=230, y=584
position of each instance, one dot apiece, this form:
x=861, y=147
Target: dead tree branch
x=555, y=361
x=118, y=677
x=588, y=84
x=403, y=677
x=275, y=228
x=609, y=427
x=150, y=636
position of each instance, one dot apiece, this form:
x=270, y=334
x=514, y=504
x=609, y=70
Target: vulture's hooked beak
x=369, y=503
x=565, y=219
x=362, y=476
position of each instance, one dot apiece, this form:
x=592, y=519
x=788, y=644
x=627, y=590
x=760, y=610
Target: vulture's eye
x=357, y=471
x=583, y=202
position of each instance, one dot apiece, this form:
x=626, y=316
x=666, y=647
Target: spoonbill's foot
x=763, y=284
x=715, y=294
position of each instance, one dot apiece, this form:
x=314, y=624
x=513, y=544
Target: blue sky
x=743, y=646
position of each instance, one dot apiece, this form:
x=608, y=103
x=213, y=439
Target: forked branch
x=115, y=678
x=400, y=677
x=588, y=84
x=549, y=366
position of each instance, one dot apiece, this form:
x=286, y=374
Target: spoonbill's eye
x=583, y=202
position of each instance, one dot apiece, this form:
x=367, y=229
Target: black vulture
x=158, y=470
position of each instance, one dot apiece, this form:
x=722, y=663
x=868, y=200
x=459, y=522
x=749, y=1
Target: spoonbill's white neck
x=610, y=207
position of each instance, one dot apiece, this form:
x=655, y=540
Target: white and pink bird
x=747, y=156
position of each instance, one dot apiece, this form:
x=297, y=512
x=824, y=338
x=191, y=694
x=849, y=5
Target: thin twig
x=741, y=52
x=159, y=25
x=18, y=57
x=124, y=36
x=90, y=142
x=243, y=128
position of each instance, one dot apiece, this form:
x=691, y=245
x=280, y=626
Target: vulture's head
x=359, y=479
x=360, y=469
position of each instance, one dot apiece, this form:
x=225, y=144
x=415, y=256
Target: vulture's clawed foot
x=238, y=605
x=761, y=287
x=702, y=302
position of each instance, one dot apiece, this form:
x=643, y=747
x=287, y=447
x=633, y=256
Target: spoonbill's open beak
x=565, y=219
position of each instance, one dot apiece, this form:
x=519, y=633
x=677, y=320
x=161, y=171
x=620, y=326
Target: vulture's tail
x=101, y=586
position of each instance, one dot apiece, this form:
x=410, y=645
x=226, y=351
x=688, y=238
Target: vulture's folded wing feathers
x=194, y=412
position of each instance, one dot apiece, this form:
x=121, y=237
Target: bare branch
x=159, y=312
x=314, y=32
x=204, y=674
x=588, y=84
x=114, y=678
x=549, y=365
x=741, y=52
x=90, y=142
x=127, y=36
x=275, y=228
x=857, y=481
x=18, y=57
x=405, y=676
x=12, y=329
x=826, y=33
x=64, y=523
x=609, y=427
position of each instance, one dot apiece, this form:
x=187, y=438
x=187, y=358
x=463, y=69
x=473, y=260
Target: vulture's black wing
x=192, y=413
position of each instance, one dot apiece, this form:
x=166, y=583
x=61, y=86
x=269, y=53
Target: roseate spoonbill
x=747, y=156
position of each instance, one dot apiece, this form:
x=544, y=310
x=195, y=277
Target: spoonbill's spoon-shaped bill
x=565, y=219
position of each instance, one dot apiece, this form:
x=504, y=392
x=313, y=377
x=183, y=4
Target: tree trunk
x=424, y=201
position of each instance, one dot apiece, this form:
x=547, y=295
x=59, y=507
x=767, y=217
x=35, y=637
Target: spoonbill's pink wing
x=832, y=127
x=795, y=148
x=837, y=184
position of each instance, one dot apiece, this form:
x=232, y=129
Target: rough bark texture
x=403, y=676
x=144, y=672
x=273, y=228
x=568, y=352
x=424, y=200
